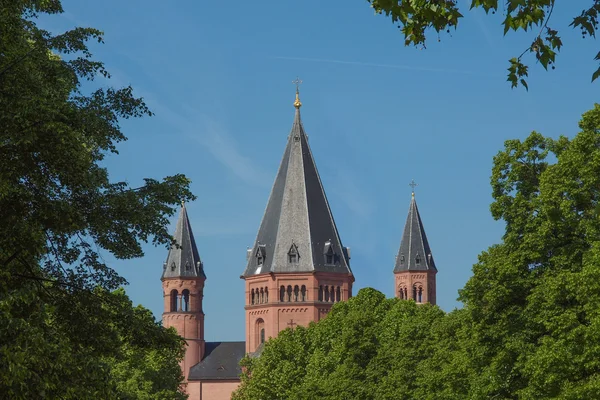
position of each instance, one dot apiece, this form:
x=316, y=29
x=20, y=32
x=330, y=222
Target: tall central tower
x=298, y=267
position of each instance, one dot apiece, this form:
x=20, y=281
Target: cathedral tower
x=298, y=267
x=183, y=285
x=415, y=269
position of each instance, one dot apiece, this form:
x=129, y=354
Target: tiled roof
x=414, y=253
x=185, y=260
x=298, y=218
x=221, y=361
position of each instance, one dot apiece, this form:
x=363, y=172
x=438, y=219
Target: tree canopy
x=63, y=331
x=530, y=326
x=415, y=18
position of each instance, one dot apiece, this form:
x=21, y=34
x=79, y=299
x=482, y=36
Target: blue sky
x=378, y=114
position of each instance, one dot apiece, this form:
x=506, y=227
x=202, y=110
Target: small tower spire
x=297, y=103
x=415, y=270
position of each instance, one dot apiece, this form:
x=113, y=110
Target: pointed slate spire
x=415, y=253
x=183, y=262
x=297, y=232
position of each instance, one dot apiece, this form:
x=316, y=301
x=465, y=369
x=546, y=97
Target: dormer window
x=187, y=266
x=293, y=256
x=260, y=254
x=329, y=253
x=173, y=266
x=402, y=259
x=418, y=260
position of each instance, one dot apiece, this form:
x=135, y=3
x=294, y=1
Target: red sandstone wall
x=209, y=390
x=278, y=315
x=426, y=279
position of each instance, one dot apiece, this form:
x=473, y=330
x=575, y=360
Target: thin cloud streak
x=377, y=65
x=210, y=134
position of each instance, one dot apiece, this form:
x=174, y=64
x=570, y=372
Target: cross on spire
x=297, y=82
x=413, y=184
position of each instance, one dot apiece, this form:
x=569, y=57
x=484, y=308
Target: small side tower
x=183, y=286
x=415, y=269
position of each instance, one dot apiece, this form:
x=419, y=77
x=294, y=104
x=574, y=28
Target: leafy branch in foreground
x=63, y=332
x=414, y=18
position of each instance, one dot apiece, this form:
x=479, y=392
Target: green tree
x=146, y=364
x=416, y=17
x=369, y=347
x=534, y=299
x=59, y=210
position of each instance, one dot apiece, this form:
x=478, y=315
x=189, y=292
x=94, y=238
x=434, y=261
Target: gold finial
x=412, y=184
x=297, y=82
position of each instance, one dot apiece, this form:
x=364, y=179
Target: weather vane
x=413, y=184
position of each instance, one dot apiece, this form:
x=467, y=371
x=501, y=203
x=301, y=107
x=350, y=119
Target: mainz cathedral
x=296, y=270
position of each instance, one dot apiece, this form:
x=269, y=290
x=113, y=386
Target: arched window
x=401, y=294
x=259, y=332
x=420, y=295
x=321, y=293
x=282, y=293
x=331, y=294
x=266, y=295
x=303, y=292
x=173, y=300
x=185, y=300
x=338, y=294
x=414, y=293
x=405, y=294
x=289, y=293
x=296, y=292
x=326, y=293
x=262, y=295
x=252, y=297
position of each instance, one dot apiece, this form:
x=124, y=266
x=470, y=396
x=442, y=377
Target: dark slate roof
x=297, y=218
x=414, y=245
x=185, y=260
x=221, y=361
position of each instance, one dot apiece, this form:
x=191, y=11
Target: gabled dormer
x=260, y=255
x=293, y=254
x=329, y=253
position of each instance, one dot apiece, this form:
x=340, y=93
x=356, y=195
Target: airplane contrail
x=394, y=66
